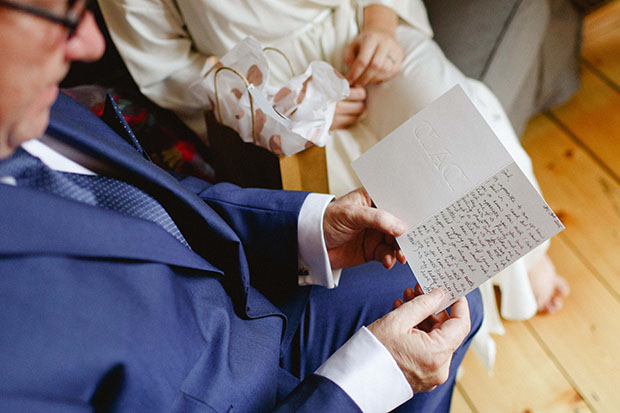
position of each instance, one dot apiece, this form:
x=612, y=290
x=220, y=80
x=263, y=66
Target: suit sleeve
x=266, y=223
x=27, y=403
x=362, y=372
x=317, y=394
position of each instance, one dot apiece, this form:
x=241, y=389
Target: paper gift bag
x=284, y=120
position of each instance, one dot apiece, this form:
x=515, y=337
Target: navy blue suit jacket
x=100, y=310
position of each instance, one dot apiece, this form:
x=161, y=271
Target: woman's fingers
x=347, y=107
x=343, y=121
x=349, y=110
x=374, y=56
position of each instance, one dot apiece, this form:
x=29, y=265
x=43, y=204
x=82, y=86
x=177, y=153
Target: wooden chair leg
x=305, y=171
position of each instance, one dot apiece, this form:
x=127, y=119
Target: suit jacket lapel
x=35, y=222
x=207, y=233
x=113, y=117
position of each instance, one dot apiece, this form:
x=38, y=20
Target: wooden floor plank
x=583, y=337
x=601, y=40
x=525, y=378
x=569, y=362
x=459, y=403
x=592, y=116
x=583, y=195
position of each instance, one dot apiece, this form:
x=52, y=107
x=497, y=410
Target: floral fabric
x=170, y=144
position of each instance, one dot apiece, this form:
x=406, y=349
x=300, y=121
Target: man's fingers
x=398, y=253
x=358, y=196
x=419, y=309
x=456, y=327
x=385, y=255
x=388, y=261
x=430, y=323
x=460, y=309
x=381, y=248
x=379, y=220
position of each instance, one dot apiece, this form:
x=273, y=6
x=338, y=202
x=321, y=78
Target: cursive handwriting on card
x=475, y=237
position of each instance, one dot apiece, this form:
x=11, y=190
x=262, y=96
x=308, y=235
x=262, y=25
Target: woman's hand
x=374, y=55
x=349, y=110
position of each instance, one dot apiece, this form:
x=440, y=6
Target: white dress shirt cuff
x=315, y=268
x=368, y=373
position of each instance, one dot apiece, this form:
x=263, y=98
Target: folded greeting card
x=470, y=211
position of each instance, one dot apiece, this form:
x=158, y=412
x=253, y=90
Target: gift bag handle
x=247, y=85
x=288, y=61
x=217, y=97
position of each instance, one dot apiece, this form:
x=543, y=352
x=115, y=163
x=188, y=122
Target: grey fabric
x=526, y=51
x=468, y=31
x=517, y=51
x=560, y=55
x=524, y=104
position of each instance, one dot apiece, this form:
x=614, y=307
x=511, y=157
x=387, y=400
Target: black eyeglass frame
x=71, y=22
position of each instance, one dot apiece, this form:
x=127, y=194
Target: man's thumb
x=420, y=308
x=379, y=220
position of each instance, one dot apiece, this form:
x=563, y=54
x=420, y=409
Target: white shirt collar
x=53, y=159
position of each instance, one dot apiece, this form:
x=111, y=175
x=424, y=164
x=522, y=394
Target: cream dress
x=169, y=44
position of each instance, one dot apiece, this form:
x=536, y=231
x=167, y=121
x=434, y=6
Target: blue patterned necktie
x=101, y=191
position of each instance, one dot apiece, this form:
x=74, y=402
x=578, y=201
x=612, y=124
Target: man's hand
x=355, y=232
x=349, y=110
x=422, y=343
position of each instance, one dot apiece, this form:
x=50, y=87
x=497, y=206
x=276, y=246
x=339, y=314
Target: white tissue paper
x=287, y=119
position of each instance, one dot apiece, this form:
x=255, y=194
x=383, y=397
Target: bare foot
x=548, y=287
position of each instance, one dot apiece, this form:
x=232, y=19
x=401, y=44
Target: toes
x=552, y=306
x=556, y=302
x=561, y=286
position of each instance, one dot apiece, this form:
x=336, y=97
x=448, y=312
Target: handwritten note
x=472, y=213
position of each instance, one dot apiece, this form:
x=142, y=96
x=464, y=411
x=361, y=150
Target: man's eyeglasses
x=76, y=9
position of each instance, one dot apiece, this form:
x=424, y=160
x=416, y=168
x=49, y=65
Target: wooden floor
x=570, y=361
